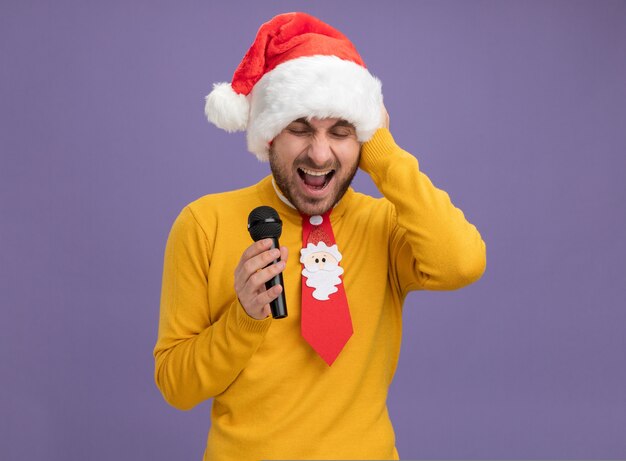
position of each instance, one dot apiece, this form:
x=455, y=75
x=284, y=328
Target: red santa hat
x=297, y=67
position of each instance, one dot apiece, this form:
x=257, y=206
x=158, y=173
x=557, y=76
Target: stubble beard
x=286, y=182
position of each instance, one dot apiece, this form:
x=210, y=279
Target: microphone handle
x=279, y=305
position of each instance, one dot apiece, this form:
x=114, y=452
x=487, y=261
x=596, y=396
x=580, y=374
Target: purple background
x=517, y=109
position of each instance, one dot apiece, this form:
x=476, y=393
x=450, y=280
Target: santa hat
x=297, y=67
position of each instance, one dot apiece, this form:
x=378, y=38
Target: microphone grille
x=264, y=222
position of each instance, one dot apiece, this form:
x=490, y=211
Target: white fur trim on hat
x=313, y=86
x=226, y=109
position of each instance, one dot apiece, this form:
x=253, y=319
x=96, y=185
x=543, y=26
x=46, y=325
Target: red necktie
x=326, y=323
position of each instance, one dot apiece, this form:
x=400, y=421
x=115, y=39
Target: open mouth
x=316, y=180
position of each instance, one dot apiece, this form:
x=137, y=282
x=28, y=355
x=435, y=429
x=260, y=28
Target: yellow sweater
x=274, y=397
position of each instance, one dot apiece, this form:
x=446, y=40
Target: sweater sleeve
x=195, y=358
x=432, y=245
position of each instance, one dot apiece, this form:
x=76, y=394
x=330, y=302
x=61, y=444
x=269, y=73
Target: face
x=314, y=161
x=320, y=261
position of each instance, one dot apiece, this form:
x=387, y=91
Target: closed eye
x=299, y=128
x=298, y=132
x=343, y=131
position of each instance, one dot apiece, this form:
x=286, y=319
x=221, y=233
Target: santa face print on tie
x=321, y=269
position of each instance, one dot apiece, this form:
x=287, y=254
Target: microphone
x=264, y=222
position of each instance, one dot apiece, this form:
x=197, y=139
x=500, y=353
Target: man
x=312, y=385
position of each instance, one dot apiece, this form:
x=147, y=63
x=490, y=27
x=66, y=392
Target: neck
x=281, y=196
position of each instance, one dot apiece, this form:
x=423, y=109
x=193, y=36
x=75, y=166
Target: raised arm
x=432, y=245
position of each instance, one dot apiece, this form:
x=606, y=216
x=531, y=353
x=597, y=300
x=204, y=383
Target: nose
x=321, y=151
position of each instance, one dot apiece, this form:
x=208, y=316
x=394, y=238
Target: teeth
x=315, y=173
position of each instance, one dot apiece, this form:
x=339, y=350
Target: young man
x=312, y=385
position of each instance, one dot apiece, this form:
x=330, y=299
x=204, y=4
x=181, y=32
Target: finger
x=284, y=253
x=241, y=274
x=248, y=264
x=259, y=313
x=256, y=248
x=384, y=116
x=258, y=262
x=266, y=297
x=266, y=311
x=248, y=288
x=254, y=297
x=258, y=279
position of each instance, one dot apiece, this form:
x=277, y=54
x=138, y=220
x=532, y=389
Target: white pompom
x=226, y=109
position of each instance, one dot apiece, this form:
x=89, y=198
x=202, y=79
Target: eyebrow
x=339, y=123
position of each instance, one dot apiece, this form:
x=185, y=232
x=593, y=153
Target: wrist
x=247, y=322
